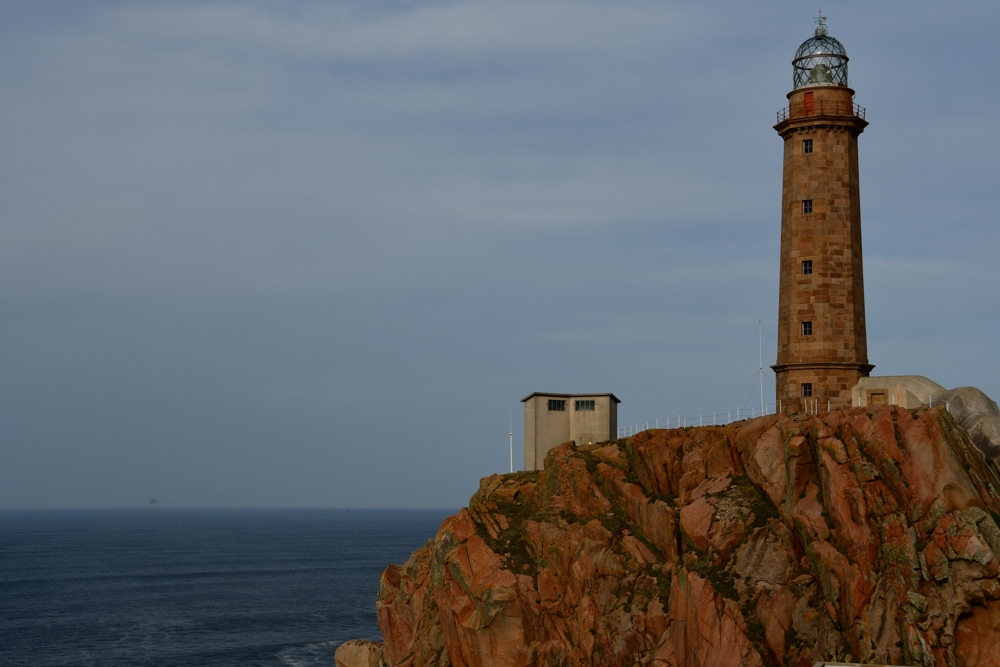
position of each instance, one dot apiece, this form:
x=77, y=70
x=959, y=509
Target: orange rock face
x=865, y=535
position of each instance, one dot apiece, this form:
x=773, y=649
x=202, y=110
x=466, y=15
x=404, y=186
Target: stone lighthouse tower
x=822, y=346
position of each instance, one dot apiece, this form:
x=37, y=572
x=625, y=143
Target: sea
x=163, y=587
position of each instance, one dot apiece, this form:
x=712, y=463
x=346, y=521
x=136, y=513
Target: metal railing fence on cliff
x=713, y=419
x=811, y=406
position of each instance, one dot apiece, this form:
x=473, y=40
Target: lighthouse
x=822, y=343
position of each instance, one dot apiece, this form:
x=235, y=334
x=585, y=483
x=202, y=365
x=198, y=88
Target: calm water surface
x=196, y=587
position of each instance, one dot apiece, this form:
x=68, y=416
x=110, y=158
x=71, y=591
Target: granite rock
x=864, y=535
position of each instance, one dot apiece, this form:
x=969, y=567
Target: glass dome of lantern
x=820, y=61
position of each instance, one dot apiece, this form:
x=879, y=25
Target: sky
x=313, y=254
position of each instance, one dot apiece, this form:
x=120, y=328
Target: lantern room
x=820, y=61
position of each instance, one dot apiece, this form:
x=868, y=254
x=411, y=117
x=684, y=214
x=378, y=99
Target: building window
x=556, y=405
x=807, y=328
x=807, y=267
x=807, y=145
x=807, y=389
x=585, y=406
x=807, y=205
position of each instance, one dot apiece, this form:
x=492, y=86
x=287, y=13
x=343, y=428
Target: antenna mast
x=510, y=424
x=760, y=350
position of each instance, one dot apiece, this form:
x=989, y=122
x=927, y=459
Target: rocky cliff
x=867, y=535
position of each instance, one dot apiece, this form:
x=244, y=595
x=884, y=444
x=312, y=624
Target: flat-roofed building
x=906, y=391
x=552, y=419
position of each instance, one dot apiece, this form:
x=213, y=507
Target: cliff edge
x=865, y=535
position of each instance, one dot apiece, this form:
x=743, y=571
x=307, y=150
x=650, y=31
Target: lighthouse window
x=807, y=389
x=557, y=406
x=807, y=267
x=585, y=406
x=807, y=205
x=807, y=145
x=807, y=328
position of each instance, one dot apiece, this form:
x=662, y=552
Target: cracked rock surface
x=865, y=535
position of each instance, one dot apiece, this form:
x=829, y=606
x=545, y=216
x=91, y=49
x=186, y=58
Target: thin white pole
x=510, y=424
x=760, y=350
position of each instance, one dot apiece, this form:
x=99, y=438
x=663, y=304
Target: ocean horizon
x=169, y=586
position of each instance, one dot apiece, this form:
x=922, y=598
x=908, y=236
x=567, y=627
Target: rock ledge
x=866, y=535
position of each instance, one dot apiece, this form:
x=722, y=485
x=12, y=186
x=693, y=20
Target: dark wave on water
x=196, y=587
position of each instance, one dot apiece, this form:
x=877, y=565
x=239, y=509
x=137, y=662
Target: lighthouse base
x=811, y=387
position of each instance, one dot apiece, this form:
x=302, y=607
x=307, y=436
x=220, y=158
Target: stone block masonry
x=822, y=339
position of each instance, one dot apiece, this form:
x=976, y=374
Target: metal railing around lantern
x=821, y=108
